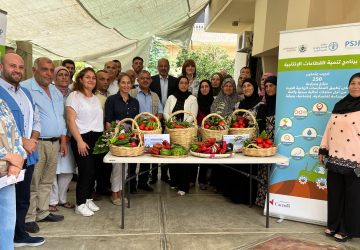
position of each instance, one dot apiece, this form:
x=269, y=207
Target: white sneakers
x=86, y=209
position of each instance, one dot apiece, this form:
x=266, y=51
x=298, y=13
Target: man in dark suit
x=163, y=85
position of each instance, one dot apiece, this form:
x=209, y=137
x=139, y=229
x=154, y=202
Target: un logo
x=333, y=46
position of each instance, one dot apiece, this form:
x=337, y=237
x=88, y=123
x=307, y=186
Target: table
x=236, y=159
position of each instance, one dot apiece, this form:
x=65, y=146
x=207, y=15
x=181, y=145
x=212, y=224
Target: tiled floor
x=162, y=220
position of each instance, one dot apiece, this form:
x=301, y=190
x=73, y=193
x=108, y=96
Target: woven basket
x=211, y=155
x=144, y=132
x=183, y=136
x=208, y=133
x=127, y=151
x=258, y=151
x=241, y=131
x=170, y=156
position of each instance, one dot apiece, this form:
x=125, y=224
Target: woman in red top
x=205, y=99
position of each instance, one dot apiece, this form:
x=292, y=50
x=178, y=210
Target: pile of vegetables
x=211, y=146
x=174, y=124
x=125, y=138
x=147, y=123
x=215, y=123
x=262, y=141
x=166, y=149
x=239, y=122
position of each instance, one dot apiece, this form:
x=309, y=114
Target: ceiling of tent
x=96, y=31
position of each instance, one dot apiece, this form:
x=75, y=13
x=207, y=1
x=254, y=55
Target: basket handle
x=149, y=114
x=182, y=111
x=210, y=115
x=245, y=111
x=256, y=146
x=133, y=122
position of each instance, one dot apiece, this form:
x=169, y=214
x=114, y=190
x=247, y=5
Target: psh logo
x=1, y=31
x=352, y=44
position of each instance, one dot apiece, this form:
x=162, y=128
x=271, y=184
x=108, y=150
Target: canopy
x=102, y=30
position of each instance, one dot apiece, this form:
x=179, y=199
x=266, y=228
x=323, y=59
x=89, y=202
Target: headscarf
x=181, y=96
x=223, y=103
x=254, y=99
x=262, y=91
x=348, y=104
x=63, y=90
x=270, y=100
x=217, y=90
x=205, y=101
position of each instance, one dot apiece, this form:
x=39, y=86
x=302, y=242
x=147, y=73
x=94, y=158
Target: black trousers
x=23, y=202
x=164, y=170
x=202, y=173
x=102, y=173
x=344, y=203
x=217, y=178
x=86, y=167
x=180, y=176
x=142, y=179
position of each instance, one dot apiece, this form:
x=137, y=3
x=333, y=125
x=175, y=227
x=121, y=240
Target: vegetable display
x=147, y=123
x=262, y=141
x=166, y=150
x=215, y=123
x=211, y=146
x=175, y=124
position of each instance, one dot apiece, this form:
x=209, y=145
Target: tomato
x=207, y=126
x=132, y=135
x=214, y=126
x=121, y=137
x=146, y=129
x=221, y=123
x=133, y=144
x=269, y=142
x=241, y=123
x=242, y=126
x=259, y=141
x=261, y=145
x=266, y=145
x=172, y=122
x=235, y=125
x=271, y=146
x=151, y=128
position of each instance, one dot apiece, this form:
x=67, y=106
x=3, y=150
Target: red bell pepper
x=198, y=150
x=224, y=145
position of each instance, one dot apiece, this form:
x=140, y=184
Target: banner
x=3, y=23
x=314, y=69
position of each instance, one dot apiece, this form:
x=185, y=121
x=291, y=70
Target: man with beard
x=49, y=101
x=27, y=119
x=163, y=85
x=70, y=65
x=137, y=65
x=111, y=68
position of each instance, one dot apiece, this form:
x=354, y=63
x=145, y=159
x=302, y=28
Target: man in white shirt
x=137, y=65
x=111, y=68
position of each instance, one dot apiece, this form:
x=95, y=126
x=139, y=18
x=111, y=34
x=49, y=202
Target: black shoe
x=75, y=178
x=29, y=242
x=52, y=218
x=133, y=190
x=166, y=179
x=146, y=188
x=32, y=227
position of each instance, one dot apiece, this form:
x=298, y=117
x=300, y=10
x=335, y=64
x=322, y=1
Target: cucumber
x=121, y=142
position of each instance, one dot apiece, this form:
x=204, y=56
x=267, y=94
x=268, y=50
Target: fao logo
x=333, y=46
x=302, y=48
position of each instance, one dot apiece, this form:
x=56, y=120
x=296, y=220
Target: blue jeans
x=7, y=217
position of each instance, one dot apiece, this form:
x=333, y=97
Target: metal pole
x=268, y=195
x=250, y=200
x=122, y=192
x=128, y=187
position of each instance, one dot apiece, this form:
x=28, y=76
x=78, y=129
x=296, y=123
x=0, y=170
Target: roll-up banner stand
x=314, y=69
x=3, y=23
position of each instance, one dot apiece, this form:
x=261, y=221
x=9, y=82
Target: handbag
x=4, y=165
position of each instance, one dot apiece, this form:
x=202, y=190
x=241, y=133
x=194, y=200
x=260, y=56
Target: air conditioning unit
x=245, y=42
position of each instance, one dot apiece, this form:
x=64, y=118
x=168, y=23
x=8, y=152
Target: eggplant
x=220, y=142
x=229, y=147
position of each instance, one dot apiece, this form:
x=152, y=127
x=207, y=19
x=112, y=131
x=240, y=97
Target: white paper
x=238, y=144
x=150, y=140
x=3, y=180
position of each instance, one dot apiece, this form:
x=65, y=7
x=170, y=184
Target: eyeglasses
x=143, y=78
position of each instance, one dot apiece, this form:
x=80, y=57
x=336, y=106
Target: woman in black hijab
x=340, y=144
x=205, y=99
x=182, y=99
x=270, y=96
x=237, y=188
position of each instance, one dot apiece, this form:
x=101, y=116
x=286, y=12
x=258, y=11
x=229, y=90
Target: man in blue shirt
x=148, y=102
x=27, y=120
x=49, y=101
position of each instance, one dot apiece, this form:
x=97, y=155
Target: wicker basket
x=127, y=151
x=170, y=156
x=241, y=131
x=258, y=151
x=208, y=133
x=211, y=155
x=183, y=136
x=144, y=132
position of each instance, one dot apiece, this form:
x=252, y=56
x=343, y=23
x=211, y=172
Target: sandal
x=66, y=205
x=330, y=233
x=203, y=187
x=343, y=238
x=172, y=188
x=180, y=193
x=54, y=208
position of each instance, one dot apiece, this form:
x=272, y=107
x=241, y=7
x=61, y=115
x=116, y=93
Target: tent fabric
x=102, y=30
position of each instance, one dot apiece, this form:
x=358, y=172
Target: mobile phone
x=357, y=172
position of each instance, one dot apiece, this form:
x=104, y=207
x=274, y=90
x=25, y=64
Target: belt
x=53, y=139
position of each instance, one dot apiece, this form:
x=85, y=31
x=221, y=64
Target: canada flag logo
x=272, y=202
